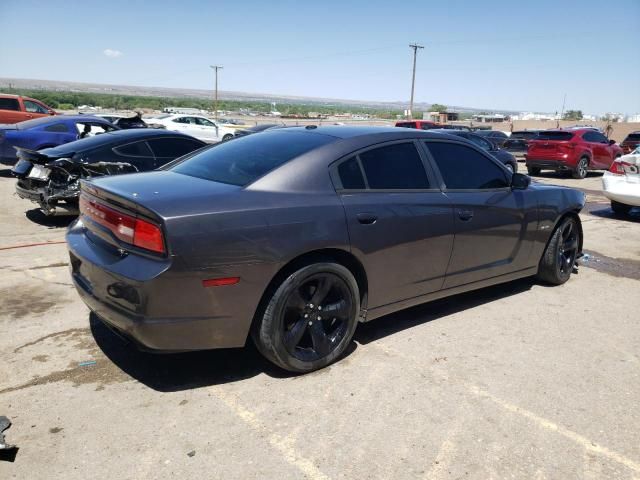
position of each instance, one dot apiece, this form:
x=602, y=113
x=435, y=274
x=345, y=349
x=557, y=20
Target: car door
x=34, y=109
x=494, y=224
x=400, y=224
x=604, y=156
x=209, y=130
x=11, y=111
x=183, y=124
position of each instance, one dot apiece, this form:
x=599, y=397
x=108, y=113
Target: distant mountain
x=56, y=85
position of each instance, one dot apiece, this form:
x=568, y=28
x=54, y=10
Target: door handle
x=465, y=215
x=367, y=218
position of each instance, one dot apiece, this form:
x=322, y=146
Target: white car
x=621, y=184
x=195, y=125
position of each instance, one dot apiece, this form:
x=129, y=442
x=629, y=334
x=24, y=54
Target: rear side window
x=136, y=149
x=351, y=175
x=245, y=159
x=9, y=104
x=554, y=135
x=632, y=137
x=396, y=166
x=406, y=124
x=57, y=127
x=462, y=168
x=173, y=147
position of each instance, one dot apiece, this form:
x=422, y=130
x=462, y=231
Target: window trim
x=337, y=183
x=443, y=185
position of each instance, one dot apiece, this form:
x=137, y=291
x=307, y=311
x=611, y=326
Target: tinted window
x=57, y=127
x=598, y=137
x=481, y=142
x=406, y=124
x=525, y=135
x=173, y=147
x=463, y=168
x=33, y=107
x=554, y=135
x=351, y=175
x=204, y=122
x=498, y=135
x=136, y=149
x=428, y=126
x=244, y=159
x=632, y=137
x=394, y=166
x=9, y=104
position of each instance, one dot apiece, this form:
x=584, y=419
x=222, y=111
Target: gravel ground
x=514, y=381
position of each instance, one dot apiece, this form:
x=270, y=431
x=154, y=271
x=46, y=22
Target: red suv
x=576, y=151
x=419, y=124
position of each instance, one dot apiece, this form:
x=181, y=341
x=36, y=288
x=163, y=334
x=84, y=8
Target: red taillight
x=617, y=168
x=127, y=228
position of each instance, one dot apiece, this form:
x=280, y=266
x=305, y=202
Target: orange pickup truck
x=15, y=108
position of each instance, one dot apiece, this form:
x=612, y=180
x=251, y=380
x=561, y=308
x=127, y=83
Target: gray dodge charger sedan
x=295, y=235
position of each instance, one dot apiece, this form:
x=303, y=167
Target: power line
x=415, y=47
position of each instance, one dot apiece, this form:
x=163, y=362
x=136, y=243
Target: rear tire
x=310, y=318
x=227, y=137
x=581, y=169
x=620, y=208
x=533, y=170
x=560, y=255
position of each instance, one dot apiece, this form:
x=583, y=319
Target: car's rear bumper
x=621, y=188
x=548, y=164
x=159, y=309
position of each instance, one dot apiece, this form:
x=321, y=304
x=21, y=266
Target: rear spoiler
x=37, y=157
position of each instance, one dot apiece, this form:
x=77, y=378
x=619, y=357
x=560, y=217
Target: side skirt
x=377, y=312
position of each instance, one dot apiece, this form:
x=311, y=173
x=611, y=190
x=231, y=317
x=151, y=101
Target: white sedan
x=195, y=125
x=621, y=184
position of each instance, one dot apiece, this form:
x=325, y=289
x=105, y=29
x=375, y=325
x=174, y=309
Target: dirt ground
x=515, y=381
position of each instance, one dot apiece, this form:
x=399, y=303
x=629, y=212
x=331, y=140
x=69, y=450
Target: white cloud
x=112, y=53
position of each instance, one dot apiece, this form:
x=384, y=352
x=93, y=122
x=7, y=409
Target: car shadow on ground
x=418, y=315
x=184, y=371
x=603, y=210
x=564, y=174
x=36, y=216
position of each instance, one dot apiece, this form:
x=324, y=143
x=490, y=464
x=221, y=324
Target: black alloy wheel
x=310, y=318
x=560, y=255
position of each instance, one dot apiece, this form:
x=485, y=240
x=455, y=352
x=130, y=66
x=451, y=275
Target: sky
x=494, y=55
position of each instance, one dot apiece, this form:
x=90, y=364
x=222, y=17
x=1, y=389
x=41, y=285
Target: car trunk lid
x=552, y=141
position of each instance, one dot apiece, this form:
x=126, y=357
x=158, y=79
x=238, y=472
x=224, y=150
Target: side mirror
x=612, y=142
x=520, y=181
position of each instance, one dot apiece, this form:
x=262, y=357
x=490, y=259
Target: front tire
x=581, y=169
x=560, y=255
x=620, y=208
x=310, y=318
x=533, y=170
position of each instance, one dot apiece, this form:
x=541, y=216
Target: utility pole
x=564, y=99
x=215, y=98
x=415, y=47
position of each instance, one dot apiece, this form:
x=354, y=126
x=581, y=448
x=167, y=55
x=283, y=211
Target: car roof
x=115, y=137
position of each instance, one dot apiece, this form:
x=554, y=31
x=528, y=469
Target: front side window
x=203, y=122
x=463, y=168
x=33, y=107
x=397, y=166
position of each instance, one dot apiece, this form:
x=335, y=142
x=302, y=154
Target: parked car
x=508, y=160
x=518, y=143
x=575, y=151
x=450, y=126
x=195, y=125
x=16, y=108
x=50, y=177
x=48, y=132
x=621, y=184
x=258, y=128
x=631, y=142
x=418, y=124
x=297, y=234
x=496, y=136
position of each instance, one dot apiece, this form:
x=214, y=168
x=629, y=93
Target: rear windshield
x=554, y=136
x=406, y=124
x=525, y=135
x=242, y=160
x=632, y=137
